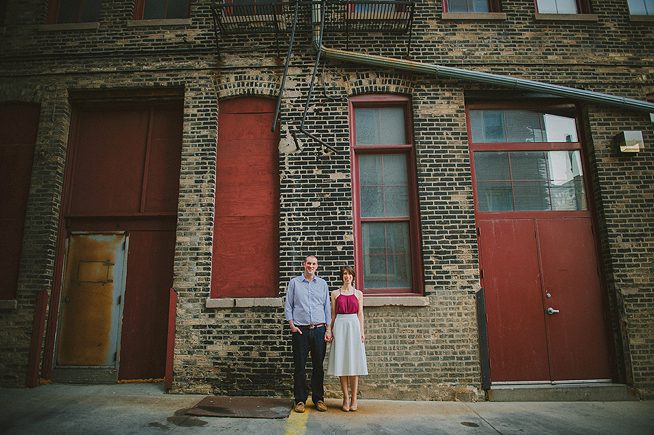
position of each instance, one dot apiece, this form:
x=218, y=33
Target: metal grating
x=276, y=16
x=388, y=16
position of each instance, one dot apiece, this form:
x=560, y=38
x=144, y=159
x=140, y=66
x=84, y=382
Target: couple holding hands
x=316, y=318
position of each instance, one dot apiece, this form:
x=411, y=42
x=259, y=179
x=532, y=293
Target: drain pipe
x=476, y=76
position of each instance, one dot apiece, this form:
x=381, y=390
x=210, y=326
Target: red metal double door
x=543, y=299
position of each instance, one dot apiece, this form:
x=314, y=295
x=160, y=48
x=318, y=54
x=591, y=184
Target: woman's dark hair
x=347, y=269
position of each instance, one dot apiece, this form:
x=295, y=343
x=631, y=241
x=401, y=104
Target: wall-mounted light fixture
x=630, y=141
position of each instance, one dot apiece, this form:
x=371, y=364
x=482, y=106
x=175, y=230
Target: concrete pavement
x=146, y=409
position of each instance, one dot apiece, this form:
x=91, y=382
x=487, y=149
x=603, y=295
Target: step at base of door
x=85, y=375
x=562, y=393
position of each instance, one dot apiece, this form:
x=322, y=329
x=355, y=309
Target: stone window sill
x=150, y=23
x=474, y=16
x=567, y=17
x=370, y=301
x=8, y=304
x=68, y=26
x=642, y=18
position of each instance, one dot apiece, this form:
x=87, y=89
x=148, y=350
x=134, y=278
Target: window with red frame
x=384, y=196
x=472, y=6
x=641, y=7
x=74, y=11
x=3, y=11
x=161, y=9
x=563, y=6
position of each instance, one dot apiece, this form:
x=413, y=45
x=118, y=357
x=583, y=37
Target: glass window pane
x=177, y=9
x=370, y=169
x=154, y=10
x=386, y=255
x=522, y=126
x=529, y=165
x=557, y=6
x=533, y=196
x=641, y=7
x=372, y=201
x=538, y=180
x=380, y=126
x=395, y=172
x=495, y=196
x=397, y=201
x=491, y=166
x=467, y=6
x=90, y=11
x=68, y=11
x=566, y=180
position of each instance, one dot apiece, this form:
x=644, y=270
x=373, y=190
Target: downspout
x=476, y=76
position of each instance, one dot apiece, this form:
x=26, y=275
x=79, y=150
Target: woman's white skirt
x=347, y=356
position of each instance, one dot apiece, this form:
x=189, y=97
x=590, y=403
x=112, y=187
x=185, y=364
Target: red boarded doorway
x=247, y=200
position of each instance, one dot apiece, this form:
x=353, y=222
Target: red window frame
x=139, y=10
x=53, y=12
x=528, y=146
x=407, y=149
x=583, y=6
x=493, y=6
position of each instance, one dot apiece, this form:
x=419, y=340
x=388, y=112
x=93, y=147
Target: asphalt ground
x=146, y=409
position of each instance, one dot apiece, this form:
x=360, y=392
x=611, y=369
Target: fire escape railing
x=284, y=16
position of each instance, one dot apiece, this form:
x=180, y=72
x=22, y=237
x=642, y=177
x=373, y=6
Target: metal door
x=544, y=301
x=572, y=300
x=91, y=299
x=511, y=275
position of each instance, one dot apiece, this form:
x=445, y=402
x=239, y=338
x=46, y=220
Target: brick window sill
x=474, y=16
x=68, y=26
x=641, y=18
x=8, y=304
x=150, y=23
x=370, y=301
x=567, y=17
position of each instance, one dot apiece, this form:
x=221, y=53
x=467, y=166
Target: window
x=472, y=6
x=74, y=11
x=527, y=160
x=563, y=6
x=161, y=9
x=641, y=7
x=369, y=7
x=529, y=180
x=385, y=206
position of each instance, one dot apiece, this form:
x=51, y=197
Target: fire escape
x=285, y=18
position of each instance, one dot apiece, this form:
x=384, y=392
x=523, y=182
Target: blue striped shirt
x=308, y=302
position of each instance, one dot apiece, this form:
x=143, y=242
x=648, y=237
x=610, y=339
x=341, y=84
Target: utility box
x=630, y=141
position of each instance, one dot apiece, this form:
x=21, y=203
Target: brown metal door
x=93, y=288
x=511, y=275
x=577, y=335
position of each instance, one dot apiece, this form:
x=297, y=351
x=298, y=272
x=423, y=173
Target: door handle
x=551, y=311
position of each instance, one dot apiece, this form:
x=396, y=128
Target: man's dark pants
x=310, y=341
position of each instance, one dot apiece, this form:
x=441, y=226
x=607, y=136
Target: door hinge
x=115, y=356
x=120, y=300
x=481, y=273
x=478, y=232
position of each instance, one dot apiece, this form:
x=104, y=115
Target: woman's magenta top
x=347, y=304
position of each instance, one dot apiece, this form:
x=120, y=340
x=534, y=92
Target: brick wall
x=414, y=352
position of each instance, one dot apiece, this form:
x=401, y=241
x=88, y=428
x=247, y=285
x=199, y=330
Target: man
x=309, y=314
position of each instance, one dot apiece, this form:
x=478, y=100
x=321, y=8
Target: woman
x=347, y=358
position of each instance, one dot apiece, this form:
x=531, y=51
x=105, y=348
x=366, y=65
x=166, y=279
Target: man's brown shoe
x=320, y=406
x=299, y=407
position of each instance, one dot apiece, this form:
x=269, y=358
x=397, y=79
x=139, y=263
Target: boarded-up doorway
x=123, y=176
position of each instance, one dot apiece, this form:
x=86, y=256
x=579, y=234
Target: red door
x=571, y=285
x=528, y=267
